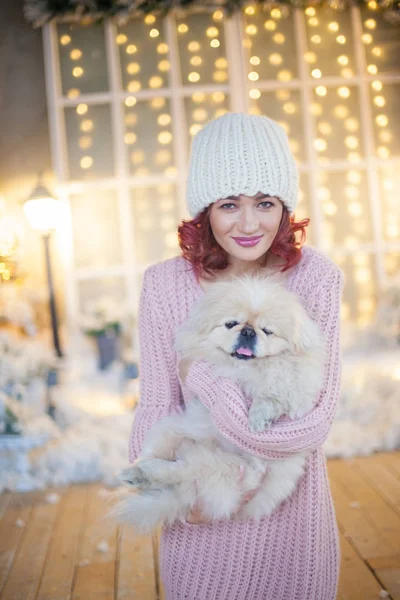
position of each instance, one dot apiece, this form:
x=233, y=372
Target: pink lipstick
x=247, y=242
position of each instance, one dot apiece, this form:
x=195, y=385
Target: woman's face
x=245, y=217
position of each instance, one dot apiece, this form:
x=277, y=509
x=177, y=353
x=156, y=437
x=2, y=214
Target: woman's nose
x=248, y=221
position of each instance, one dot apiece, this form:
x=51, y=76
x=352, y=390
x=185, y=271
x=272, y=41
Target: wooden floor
x=67, y=550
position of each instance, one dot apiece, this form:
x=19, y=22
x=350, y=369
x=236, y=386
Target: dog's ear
x=305, y=333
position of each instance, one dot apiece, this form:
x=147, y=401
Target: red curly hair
x=200, y=248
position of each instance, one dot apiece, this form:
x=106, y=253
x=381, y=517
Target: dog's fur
x=257, y=333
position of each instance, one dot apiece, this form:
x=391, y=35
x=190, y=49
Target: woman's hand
x=196, y=516
x=183, y=369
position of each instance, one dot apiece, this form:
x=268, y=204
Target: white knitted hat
x=240, y=154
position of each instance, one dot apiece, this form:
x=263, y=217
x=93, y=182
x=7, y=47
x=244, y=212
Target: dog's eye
x=268, y=331
x=230, y=324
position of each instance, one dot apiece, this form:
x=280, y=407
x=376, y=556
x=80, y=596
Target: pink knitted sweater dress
x=294, y=553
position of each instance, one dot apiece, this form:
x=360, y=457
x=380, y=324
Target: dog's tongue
x=245, y=351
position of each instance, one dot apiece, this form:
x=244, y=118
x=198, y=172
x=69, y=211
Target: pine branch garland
x=40, y=12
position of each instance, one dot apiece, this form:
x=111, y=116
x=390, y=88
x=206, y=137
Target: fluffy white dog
x=256, y=332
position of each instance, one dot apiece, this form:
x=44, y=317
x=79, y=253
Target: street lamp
x=43, y=212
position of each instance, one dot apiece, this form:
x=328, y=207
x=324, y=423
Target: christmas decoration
x=103, y=321
x=40, y=12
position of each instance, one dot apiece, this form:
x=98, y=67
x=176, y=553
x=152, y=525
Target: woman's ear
x=305, y=333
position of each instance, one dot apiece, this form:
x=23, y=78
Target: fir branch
x=40, y=12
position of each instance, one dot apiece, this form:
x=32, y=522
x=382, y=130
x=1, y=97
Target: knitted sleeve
x=228, y=406
x=160, y=390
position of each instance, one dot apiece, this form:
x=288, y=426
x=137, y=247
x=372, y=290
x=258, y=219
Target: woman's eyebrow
x=238, y=198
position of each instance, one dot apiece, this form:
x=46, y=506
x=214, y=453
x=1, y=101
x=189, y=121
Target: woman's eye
x=267, y=202
x=230, y=324
x=267, y=331
x=227, y=204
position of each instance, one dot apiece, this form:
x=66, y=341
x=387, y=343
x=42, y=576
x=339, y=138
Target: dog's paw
x=261, y=417
x=133, y=476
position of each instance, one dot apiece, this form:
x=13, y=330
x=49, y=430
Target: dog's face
x=249, y=318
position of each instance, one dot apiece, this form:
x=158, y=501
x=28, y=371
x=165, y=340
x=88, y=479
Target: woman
x=242, y=183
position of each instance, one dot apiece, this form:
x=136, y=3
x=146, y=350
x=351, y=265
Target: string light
x=149, y=19
x=133, y=68
x=367, y=38
x=196, y=61
x=215, y=43
x=130, y=101
x=379, y=101
x=212, y=32
x=381, y=120
x=131, y=49
x=130, y=138
x=193, y=46
x=86, y=162
x=343, y=92
x=370, y=23
x=65, y=40
x=254, y=94
x=164, y=137
x=121, y=39
x=251, y=29
x=154, y=33
x=75, y=54
x=156, y=81
x=255, y=60
x=218, y=15
x=310, y=57
x=77, y=71
x=341, y=39
x=164, y=66
x=270, y=25
x=253, y=76
x=377, y=86
x=316, y=73
x=372, y=69
x=183, y=28
x=316, y=39
x=194, y=76
x=221, y=63
x=333, y=26
x=275, y=59
x=162, y=48
x=73, y=93
x=134, y=86
x=284, y=75
x=85, y=142
x=86, y=125
x=279, y=38
x=276, y=13
x=82, y=109
x=321, y=90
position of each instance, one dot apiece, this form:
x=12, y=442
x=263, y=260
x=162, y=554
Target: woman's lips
x=248, y=241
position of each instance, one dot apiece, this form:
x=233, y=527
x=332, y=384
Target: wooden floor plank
x=19, y=508
x=95, y=581
x=356, y=525
x=136, y=576
x=374, y=470
x=57, y=577
x=160, y=583
x=379, y=513
x=98, y=548
x=356, y=582
x=24, y=577
x=5, y=500
x=98, y=529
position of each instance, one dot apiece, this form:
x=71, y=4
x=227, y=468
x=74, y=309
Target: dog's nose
x=248, y=331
